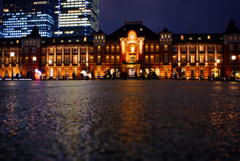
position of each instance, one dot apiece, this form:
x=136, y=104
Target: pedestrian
x=148, y=76
x=143, y=76
x=17, y=75
x=135, y=76
x=114, y=75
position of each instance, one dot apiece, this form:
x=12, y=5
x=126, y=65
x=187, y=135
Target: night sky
x=181, y=16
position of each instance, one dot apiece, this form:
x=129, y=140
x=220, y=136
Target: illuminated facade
x=133, y=49
x=1, y=34
x=20, y=16
x=76, y=17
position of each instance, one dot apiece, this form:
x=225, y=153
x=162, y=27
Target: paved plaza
x=119, y=120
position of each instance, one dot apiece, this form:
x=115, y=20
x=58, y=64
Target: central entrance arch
x=30, y=74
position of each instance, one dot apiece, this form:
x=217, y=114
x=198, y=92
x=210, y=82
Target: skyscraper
x=1, y=35
x=20, y=16
x=76, y=17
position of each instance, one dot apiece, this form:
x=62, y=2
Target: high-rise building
x=76, y=17
x=1, y=35
x=20, y=16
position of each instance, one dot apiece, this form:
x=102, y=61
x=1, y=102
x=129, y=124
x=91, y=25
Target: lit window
x=210, y=59
x=107, y=48
x=192, y=59
x=59, y=50
x=112, y=59
x=17, y=41
x=141, y=29
x=183, y=59
x=210, y=48
x=62, y=41
x=69, y=40
x=152, y=59
x=165, y=36
x=190, y=38
x=182, y=37
x=26, y=42
x=117, y=48
x=199, y=38
x=201, y=59
x=50, y=59
x=165, y=47
x=102, y=37
x=91, y=49
x=152, y=48
x=230, y=38
x=208, y=37
x=157, y=48
x=77, y=40
x=162, y=36
x=235, y=38
x=169, y=36
x=107, y=59
x=99, y=48
x=83, y=59
x=43, y=50
x=132, y=49
x=201, y=48
x=91, y=59
x=118, y=59
x=175, y=59
x=146, y=48
x=74, y=59
x=192, y=49
x=112, y=48
x=219, y=48
x=58, y=59
x=85, y=39
x=98, y=59
x=146, y=59
x=183, y=49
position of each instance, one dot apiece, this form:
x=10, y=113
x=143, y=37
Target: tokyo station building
x=133, y=48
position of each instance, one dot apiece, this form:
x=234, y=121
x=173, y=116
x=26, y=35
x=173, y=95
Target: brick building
x=133, y=48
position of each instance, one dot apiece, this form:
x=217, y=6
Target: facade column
x=79, y=55
x=63, y=56
x=87, y=56
x=47, y=57
x=70, y=54
x=197, y=53
x=55, y=55
x=179, y=55
x=206, y=56
x=187, y=53
x=215, y=53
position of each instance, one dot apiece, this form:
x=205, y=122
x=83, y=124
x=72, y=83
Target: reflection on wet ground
x=119, y=120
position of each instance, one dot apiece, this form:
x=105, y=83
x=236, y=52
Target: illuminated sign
x=38, y=74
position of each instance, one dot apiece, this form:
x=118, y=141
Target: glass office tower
x=1, y=35
x=77, y=17
x=20, y=16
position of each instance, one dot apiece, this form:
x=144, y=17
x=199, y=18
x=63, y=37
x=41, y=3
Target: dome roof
x=232, y=28
x=165, y=30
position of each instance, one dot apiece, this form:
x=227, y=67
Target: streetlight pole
x=34, y=60
x=234, y=58
x=12, y=55
x=218, y=61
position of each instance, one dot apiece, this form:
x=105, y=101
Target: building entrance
x=131, y=72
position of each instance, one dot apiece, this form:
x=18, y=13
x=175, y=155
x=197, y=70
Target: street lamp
x=34, y=61
x=12, y=54
x=234, y=58
x=218, y=61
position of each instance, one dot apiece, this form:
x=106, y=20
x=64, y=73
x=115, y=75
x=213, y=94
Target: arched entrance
x=30, y=74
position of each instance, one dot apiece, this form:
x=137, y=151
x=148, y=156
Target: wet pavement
x=119, y=120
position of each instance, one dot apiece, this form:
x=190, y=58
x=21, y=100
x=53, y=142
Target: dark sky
x=181, y=16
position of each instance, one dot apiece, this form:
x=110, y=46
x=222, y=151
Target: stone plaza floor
x=119, y=120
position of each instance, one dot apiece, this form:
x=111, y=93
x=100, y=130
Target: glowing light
x=218, y=60
x=233, y=57
x=37, y=74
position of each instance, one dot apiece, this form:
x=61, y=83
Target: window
x=58, y=59
x=165, y=36
x=152, y=59
x=190, y=38
x=201, y=59
x=192, y=48
x=75, y=59
x=183, y=49
x=210, y=58
x=220, y=57
x=67, y=50
x=210, y=48
x=146, y=48
x=59, y=50
x=118, y=59
x=165, y=71
x=26, y=42
x=117, y=48
x=91, y=59
x=132, y=49
x=43, y=50
x=83, y=50
x=201, y=72
x=182, y=37
x=174, y=48
x=192, y=59
x=132, y=58
x=219, y=47
x=183, y=59
x=43, y=59
x=83, y=59
x=99, y=48
x=107, y=59
x=50, y=59
x=169, y=36
x=34, y=50
x=91, y=49
x=98, y=59
x=174, y=59
x=112, y=48
x=51, y=50
x=230, y=38
x=152, y=48
x=157, y=48
x=199, y=38
x=157, y=59
x=235, y=38
x=26, y=50
x=26, y=60
x=112, y=59
x=208, y=37
x=66, y=59
x=141, y=29
x=107, y=48
x=165, y=47
x=74, y=50
x=6, y=60
x=230, y=47
x=201, y=48
x=85, y=39
x=165, y=58
x=102, y=37
x=146, y=59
